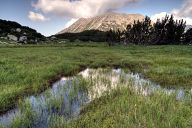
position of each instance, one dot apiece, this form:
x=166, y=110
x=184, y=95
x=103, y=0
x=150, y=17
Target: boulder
x=4, y=38
x=23, y=39
x=33, y=40
x=18, y=30
x=53, y=38
x=12, y=37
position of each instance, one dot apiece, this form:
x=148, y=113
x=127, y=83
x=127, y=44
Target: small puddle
x=68, y=95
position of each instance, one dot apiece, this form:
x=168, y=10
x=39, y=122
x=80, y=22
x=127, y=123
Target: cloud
x=80, y=8
x=158, y=16
x=37, y=17
x=70, y=22
x=185, y=13
x=185, y=10
x=162, y=15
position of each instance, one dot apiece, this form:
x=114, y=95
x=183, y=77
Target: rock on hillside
x=188, y=27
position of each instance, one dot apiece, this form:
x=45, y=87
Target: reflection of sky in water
x=69, y=107
x=133, y=80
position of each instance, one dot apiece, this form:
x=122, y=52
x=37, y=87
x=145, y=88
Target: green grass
x=117, y=107
x=29, y=70
x=123, y=108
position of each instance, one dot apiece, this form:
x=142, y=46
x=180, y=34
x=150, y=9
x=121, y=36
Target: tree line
x=162, y=32
x=87, y=35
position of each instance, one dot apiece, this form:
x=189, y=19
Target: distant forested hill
x=14, y=31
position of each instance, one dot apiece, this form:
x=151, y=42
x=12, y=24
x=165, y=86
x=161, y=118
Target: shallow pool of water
x=66, y=97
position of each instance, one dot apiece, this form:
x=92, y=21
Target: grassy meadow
x=125, y=109
x=27, y=70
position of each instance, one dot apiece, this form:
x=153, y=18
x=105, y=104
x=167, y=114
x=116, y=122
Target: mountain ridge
x=103, y=22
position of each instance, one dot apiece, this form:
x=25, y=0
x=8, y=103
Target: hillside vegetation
x=14, y=31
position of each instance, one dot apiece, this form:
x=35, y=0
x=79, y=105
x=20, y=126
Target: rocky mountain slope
x=188, y=27
x=103, y=22
x=14, y=31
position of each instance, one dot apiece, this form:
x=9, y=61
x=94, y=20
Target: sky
x=51, y=16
